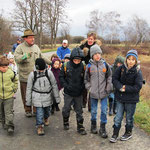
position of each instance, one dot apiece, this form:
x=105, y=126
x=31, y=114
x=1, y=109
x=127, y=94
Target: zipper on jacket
x=3, y=85
x=98, y=80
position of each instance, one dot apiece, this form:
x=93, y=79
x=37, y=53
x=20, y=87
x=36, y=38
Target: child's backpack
x=105, y=69
x=35, y=76
x=65, y=67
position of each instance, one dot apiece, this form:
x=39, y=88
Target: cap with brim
x=28, y=32
x=77, y=58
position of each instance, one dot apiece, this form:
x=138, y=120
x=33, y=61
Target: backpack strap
x=35, y=77
x=65, y=67
x=84, y=65
x=46, y=74
x=106, y=65
x=13, y=76
x=89, y=68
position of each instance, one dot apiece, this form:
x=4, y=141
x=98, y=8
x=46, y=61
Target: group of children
x=44, y=84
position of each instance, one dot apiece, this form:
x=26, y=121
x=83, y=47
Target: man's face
x=30, y=40
x=3, y=68
x=76, y=61
x=64, y=44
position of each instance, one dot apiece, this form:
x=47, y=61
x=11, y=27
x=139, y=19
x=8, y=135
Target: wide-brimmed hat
x=28, y=32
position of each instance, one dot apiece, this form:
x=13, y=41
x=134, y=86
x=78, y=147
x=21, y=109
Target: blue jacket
x=14, y=47
x=132, y=79
x=61, y=52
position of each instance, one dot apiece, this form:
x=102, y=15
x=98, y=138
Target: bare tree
x=137, y=30
x=56, y=16
x=28, y=14
x=5, y=35
x=112, y=23
x=107, y=24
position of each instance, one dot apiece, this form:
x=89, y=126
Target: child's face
x=3, y=68
x=131, y=61
x=56, y=64
x=119, y=64
x=11, y=60
x=90, y=40
x=97, y=57
x=76, y=61
x=66, y=60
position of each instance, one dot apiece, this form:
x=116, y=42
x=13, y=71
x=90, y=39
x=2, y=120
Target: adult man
x=16, y=44
x=63, y=50
x=25, y=56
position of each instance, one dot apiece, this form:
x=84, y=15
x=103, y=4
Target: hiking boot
x=102, y=131
x=66, y=123
x=46, y=122
x=80, y=128
x=127, y=135
x=114, y=137
x=10, y=130
x=28, y=114
x=93, y=127
x=40, y=130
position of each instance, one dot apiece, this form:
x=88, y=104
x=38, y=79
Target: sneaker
x=126, y=136
x=46, y=122
x=40, y=130
x=28, y=114
x=113, y=139
x=10, y=130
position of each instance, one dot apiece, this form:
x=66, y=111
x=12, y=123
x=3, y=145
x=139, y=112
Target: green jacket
x=8, y=84
x=25, y=66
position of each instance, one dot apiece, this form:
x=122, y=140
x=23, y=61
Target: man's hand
x=26, y=55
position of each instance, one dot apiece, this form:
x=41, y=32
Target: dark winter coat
x=56, y=73
x=72, y=79
x=86, y=49
x=132, y=79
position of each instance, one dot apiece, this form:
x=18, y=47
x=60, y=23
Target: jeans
x=103, y=116
x=122, y=108
x=42, y=113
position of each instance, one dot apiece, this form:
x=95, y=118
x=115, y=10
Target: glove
x=25, y=56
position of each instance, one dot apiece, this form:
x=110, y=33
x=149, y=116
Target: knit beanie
x=95, y=49
x=40, y=64
x=132, y=52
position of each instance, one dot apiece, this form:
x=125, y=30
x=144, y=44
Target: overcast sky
x=79, y=10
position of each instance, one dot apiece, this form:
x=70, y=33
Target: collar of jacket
x=28, y=44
